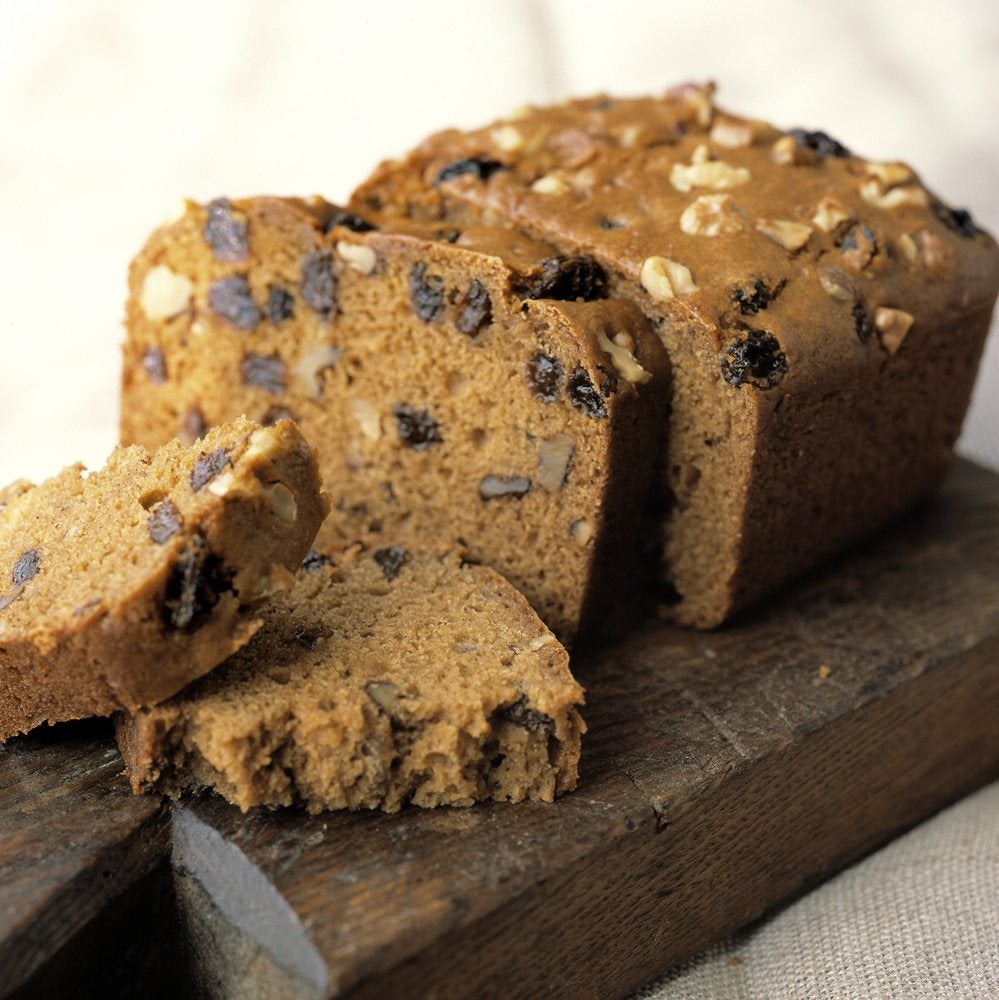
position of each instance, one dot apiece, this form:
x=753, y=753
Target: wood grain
x=723, y=774
x=73, y=839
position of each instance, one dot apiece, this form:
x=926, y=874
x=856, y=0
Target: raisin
x=349, y=220
x=491, y=487
x=155, y=365
x=751, y=300
x=566, y=279
x=232, y=299
x=476, y=309
x=481, y=167
x=448, y=235
x=197, y=579
x=26, y=568
x=225, y=232
x=276, y=413
x=207, y=467
x=757, y=360
x=862, y=322
x=604, y=223
x=280, y=305
x=544, y=376
x=859, y=246
x=530, y=718
x=306, y=637
x=390, y=560
x=264, y=371
x=584, y=395
x=957, y=219
x=193, y=426
x=315, y=560
x=426, y=293
x=164, y=522
x=821, y=144
x=319, y=282
x=416, y=427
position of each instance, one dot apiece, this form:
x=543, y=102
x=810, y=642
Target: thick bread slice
x=389, y=673
x=125, y=584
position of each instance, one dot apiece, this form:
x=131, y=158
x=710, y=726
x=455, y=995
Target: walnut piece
x=830, y=213
x=704, y=172
x=554, y=456
x=625, y=363
x=892, y=326
x=551, y=184
x=711, y=215
x=792, y=236
x=663, y=278
x=357, y=257
x=164, y=293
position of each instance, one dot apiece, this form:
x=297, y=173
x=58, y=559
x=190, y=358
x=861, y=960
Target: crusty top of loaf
x=709, y=215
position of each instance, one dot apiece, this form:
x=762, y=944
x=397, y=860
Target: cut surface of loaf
x=389, y=673
x=124, y=584
x=824, y=314
x=474, y=386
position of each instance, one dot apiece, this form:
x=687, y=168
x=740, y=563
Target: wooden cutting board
x=723, y=773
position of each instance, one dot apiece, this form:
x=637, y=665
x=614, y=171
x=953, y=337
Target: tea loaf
x=388, y=674
x=473, y=386
x=123, y=585
x=824, y=314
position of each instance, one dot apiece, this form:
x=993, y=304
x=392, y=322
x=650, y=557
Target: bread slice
x=124, y=584
x=475, y=386
x=389, y=673
x=824, y=314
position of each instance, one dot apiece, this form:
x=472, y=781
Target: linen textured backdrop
x=111, y=111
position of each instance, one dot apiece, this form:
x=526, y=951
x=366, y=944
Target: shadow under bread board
x=723, y=773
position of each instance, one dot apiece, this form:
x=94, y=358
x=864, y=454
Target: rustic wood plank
x=73, y=840
x=723, y=774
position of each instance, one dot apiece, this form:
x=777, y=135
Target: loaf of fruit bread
x=389, y=673
x=824, y=314
x=123, y=585
x=473, y=386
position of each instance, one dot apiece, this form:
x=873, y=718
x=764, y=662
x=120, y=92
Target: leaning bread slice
x=124, y=585
x=388, y=674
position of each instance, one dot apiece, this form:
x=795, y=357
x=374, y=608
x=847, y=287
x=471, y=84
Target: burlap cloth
x=917, y=919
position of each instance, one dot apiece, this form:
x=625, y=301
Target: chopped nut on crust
x=733, y=133
x=711, y=215
x=509, y=138
x=551, y=184
x=792, y=236
x=835, y=283
x=892, y=326
x=908, y=248
x=704, y=172
x=830, y=213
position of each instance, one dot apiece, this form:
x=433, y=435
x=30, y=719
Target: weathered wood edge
x=74, y=841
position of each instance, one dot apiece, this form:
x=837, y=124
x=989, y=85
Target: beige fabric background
x=111, y=111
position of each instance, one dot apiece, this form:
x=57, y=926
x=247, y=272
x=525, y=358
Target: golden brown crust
x=129, y=582
x=390, y=673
